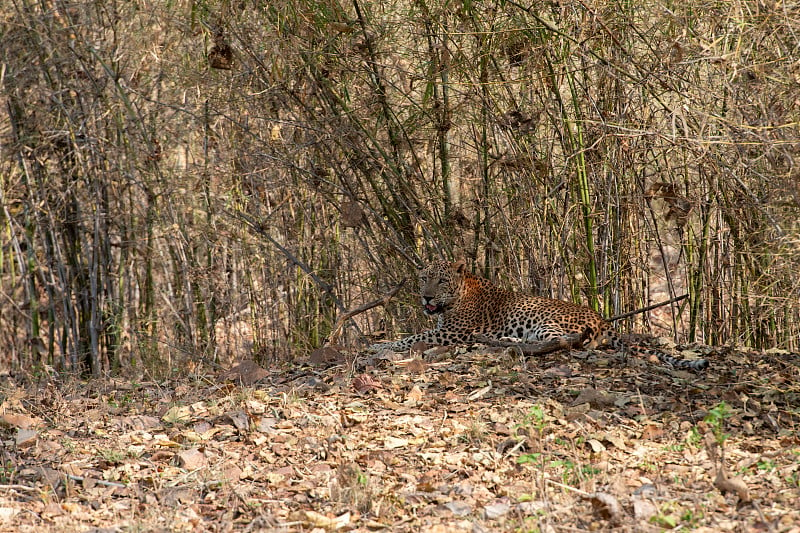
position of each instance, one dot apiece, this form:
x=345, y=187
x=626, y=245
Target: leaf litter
x=480, y=440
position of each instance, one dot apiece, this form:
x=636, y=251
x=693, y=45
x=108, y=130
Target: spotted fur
x=467, y=305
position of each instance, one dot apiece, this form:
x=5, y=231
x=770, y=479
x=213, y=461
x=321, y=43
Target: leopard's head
x=440, y=285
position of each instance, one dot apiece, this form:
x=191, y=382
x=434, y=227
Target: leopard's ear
x=460, y=266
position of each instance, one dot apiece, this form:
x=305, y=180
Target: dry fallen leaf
x=316, y=519
x=735, y=484
x=191, y=459
x=365, y=383
x=596, y=445
x=606, y=506
x=246, y=373
x=416, y=366
x=19, y=421
x=324, y=356
x=25, y=438
x=644, y=509
x=392, y=443
x=594, y=398
x=496, y=510
x=414, y=396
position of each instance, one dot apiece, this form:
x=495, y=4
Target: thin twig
x=23, y=488
x=649, y=308
x=383, y=300
x=81, y=479
x=567, y=487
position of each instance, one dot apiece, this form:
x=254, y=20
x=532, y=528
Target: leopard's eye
x=442, y=281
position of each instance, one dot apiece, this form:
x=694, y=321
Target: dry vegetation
x=471, y=442
x=187, y=179
x=187, y=183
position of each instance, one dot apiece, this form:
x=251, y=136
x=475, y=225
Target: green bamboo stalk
x=574, y=131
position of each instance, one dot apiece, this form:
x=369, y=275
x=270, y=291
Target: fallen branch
x=383, y=300
x=23, y=488
x=649, y=308
x=537, y=347
x=81, y=479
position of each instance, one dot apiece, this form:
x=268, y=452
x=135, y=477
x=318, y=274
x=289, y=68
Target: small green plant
x=694, y=437
x=529, y=524
x=664, y=520
x=535, y=418
x=68, y=444
x=647, y=466
x=569, y=474
x=6, y=472
x=120, y=401
x=113, y=456
x=667, y=516
x=688, y=517
x=590, y=470
x=528, y=458
x=716, y=421
x=766, y=465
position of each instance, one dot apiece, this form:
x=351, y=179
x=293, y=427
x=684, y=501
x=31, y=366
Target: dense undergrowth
x=211, y=179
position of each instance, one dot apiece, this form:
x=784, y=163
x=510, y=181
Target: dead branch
x=254, y=225
x=538, y=347
x=649, y=308
x=383, y=300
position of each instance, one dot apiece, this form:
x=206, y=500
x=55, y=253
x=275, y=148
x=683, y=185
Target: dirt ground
x=459, y=440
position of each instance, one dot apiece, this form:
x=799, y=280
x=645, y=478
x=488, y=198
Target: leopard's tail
x=695, y=365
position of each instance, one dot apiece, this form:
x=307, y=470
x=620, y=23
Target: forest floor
x=479, y=440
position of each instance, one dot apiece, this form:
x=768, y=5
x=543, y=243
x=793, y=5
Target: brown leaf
x=644, y=509
x=352, y=214
x=365, y=383
x=416, y=366
x=652, y=431
x=596, y=445
x=417, y=349
x=594, y=398
x=324, y=356
x=245, y=373
x=496, y=510
x=736, y=485
x=19, y=421
x=25, y=438
x=191, y=459
x=606, y=506
x=414, y=396
x=239, y=419
x=561, y=371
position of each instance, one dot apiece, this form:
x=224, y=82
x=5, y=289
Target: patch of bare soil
x=480, y=440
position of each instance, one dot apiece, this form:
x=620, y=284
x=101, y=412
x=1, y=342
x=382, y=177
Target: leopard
x=469, y=307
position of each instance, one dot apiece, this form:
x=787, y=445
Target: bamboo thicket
x=205, y=180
